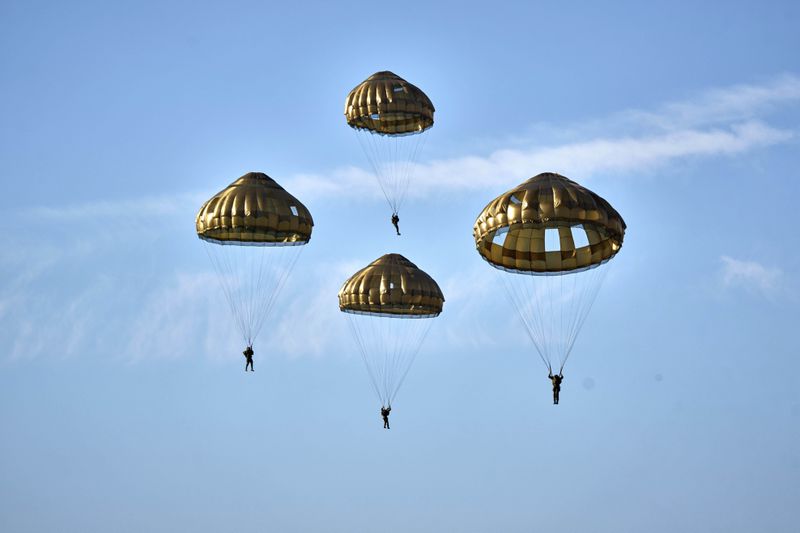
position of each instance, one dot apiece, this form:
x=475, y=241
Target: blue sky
x=122, y=398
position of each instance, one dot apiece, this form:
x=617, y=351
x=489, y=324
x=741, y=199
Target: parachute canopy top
x=387, y=104
x=510, y=231
x=254, y=210
x=391, y=286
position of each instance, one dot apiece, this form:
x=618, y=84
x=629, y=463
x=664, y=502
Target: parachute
x=254, y=232
x=552, y=237
x=388, y=305
x=389, y=115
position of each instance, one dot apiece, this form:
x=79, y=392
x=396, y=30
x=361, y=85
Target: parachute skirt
x=251, y=243
x=389, y=315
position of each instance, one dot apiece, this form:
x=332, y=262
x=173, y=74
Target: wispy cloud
x=174, y=321
x=147, y=206
x=316, y=308
x=626, y=154
x=718, y=122
x=750, y=275
x=729, y=104
x=506, y=167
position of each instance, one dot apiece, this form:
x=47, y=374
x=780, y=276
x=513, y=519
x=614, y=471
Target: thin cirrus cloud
x=717, y=122
x=503, y=168
x=729, y=104
x=750, y=275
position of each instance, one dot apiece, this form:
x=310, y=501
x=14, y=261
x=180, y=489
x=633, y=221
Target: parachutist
x=557, y=379
x=396, y=222
x=252, y=264
x=390, y=127
x=561, y=278
x=248, y=354
x=385, y=414
x=390, y=328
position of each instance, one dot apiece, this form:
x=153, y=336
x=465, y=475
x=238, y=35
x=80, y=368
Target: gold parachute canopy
x=510, y=231
x=387, y=104
x=391, y=285
x=254, y=210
